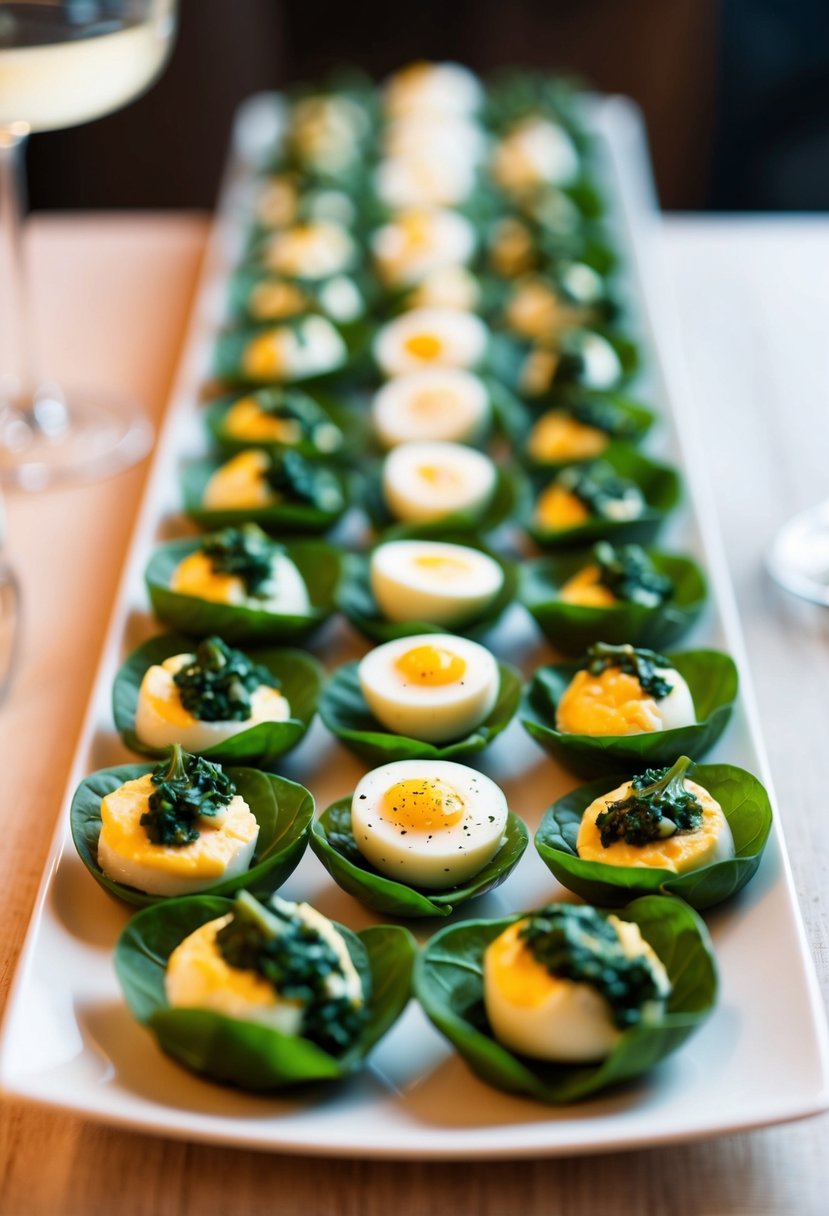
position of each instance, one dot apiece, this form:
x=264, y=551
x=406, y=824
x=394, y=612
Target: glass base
x=799, y=558
x=67, y=436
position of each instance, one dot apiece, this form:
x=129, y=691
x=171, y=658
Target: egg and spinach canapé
x=180, y=829
x=281, y=416
x=280, y=964
x=660, y=818
x=580, y=430
x=581, y=493
x=257, y=478
x=244, y=568
x=202, y=699
x=617, y=573
x=624, y=690
x=564, y=983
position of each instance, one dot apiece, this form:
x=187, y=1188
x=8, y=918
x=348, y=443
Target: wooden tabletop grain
x=751, y=296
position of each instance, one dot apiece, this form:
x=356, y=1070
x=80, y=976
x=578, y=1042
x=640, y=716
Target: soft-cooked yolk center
x=424, y=346
x=557, y=436
x=515, y=972
x=432, y=666
x=586, y=589
x=432, y=402
x=445, y=568
x=612, y=703
x=439, y=475
x=558, y=509
x=423, y=805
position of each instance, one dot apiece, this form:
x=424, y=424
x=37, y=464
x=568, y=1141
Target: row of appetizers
x=431, y=266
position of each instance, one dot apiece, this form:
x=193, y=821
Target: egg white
x=283, y=594
x=448, y=404
x=416, y=243
x=423, y=482
x=440, y=89
x=453, y=287
x=224, y=848
x=550, y=1017
x=434, y=581
x=535, y=152
x=198, y=977
x=434, y=858
x=434, y=713
x=161, y=719
x=430, y=337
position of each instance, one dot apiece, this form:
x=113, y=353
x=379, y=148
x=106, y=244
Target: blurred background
x=735, y=92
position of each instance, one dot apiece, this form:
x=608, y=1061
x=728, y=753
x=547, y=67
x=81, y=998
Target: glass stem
x=16, y=304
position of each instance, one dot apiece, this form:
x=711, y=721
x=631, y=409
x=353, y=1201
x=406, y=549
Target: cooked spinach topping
x=246, y=552
x=297, y=960
x=297, y=479
x=188, y=788
x=629, y=573
x=217, y=685
x=633, y=661
x=602, y=415
x=315, y=427
x=602, y=491
x=657, y=806
x=578, y=943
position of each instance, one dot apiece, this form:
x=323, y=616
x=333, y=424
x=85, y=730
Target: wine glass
x=63, y=62
x=9, y=612
x=799, y=556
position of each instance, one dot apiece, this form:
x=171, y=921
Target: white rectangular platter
x=69, y=1040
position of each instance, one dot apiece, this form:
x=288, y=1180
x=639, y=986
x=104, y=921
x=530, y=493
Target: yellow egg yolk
x=585, y=589
x=538, y=372
x=559, y=436
x=612, y=703
x=422, y=805
x=431, y=666
x=678, y=853
x=431, y=403
x=438, y=475
x=424, y=346
x=272, y=301
x=264, y=356
x=446, y=568
x=515, y=971
x=558, y=509
x=246, y=420
x=195, y=576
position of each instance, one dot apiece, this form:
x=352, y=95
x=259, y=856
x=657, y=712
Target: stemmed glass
x=63, y=62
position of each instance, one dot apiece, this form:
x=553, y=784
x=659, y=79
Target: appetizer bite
x=260, y=296
x=566, y=1001
x=419, y=837
x=583, y=428
x=243, y=586
x=697, y=831
x=535, y=152
x=280, y=489
x=419, y=242
x=306, y=348
x=444, y=404
x=428, y=338
x=541, y=306
x=262, y=995
x=215, y=700
x=424, y=482
x=618, y=593
x=625, y=706
x=577, y=359
x=319, y=249
x=437, y=696
x=189, y=825
x=579, y=494
x=278, y=418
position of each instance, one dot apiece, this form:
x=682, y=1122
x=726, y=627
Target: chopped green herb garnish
x=604, y=416
x=657, y=806
x=629, y=573
x=602, y=491
x=217, y=685
x=246, y=552
x=578, y=943
x=295, y=478
x=633, y=661
x=188, y=788
x=298, y=961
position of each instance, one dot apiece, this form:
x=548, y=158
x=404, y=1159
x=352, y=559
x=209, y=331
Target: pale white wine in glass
x=61, y=64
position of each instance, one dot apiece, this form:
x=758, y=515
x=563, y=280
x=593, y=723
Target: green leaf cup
x=280, y=517
x=449, y=985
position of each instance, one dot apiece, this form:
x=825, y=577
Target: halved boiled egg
x=441, y=89
x=615, y=703
x=316, y=250
x=431, y=824
x=224, y=847
x=452, y=287
x=435, y=581
x=423, y=180
x=421, y=241
x=434, y=687
x=682, y=851
x=283, y=593
x=430, y=337
x=311, y=347
x=423, y=482
x=548, y=1016
x=536, y=151
x=444, y=403
x=161, y=719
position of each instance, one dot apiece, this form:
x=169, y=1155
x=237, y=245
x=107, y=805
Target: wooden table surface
x=752, y=302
